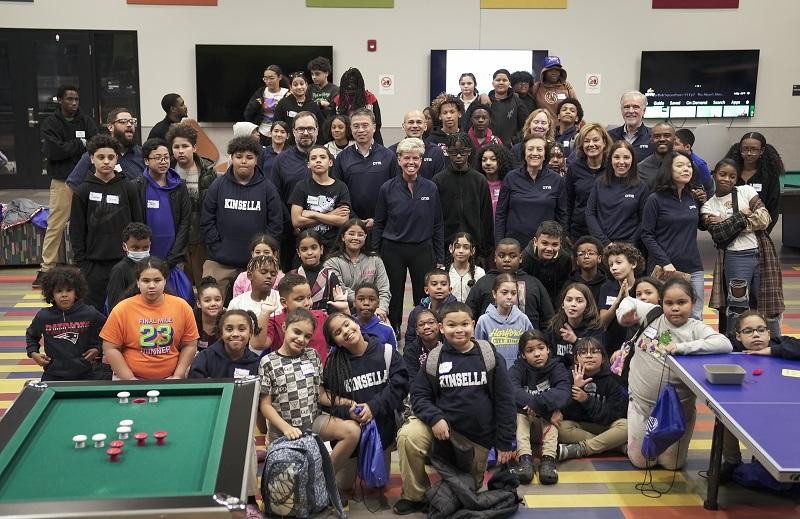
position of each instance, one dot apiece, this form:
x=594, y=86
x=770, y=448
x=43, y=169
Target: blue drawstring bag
x=178, y=284
x=754, y=475
x=666, y=424
x=371, y=465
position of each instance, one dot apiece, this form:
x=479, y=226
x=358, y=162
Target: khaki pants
x=60, y=207
x=594, y=437
x=224, y=274
x=414, y=442
x=674, y=457
x=195, y=256
x=549, y=435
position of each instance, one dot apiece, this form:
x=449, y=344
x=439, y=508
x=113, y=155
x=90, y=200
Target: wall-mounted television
x=448, y=65
x=227, y=75
x=702, y=84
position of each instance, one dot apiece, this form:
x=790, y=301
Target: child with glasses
x=588, y=260
x=595, y=419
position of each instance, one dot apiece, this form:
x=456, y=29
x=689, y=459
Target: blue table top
x=764, y=412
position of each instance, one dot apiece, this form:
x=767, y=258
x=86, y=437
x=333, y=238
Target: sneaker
x=37, y=283
x=567, y=451
x=406, y=506
x=524, y=469
x=548, y=475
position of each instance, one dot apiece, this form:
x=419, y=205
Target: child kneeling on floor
x=595, y=420
x=467, y=401
x=541, y=387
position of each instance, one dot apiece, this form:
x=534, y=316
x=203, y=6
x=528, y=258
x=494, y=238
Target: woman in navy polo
x=409, y=227
x=530, y=195
x=616, y=202
x=670, y=221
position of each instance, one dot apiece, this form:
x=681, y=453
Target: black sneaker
x=548, y=475
x=568, y=451
x=524, y=469
x=406, y=506
x=37, y=283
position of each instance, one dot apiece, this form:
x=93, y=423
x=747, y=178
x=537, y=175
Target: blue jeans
x=697, y=283
x=742, y=270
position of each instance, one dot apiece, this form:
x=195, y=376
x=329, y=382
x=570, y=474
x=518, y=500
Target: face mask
x=138, y=256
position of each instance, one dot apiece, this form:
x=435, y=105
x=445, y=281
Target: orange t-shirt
x=151, y=335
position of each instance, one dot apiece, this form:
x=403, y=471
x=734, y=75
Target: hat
x=551, y=62
x=243, y=129
x=168, y=101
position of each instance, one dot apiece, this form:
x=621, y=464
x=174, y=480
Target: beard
x=123, y=140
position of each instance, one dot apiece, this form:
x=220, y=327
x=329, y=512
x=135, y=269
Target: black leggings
x=398, y=257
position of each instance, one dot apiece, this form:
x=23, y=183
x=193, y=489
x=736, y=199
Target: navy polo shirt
x=525, y=203
x=290, y=167
x=641, y=144
x=364, y=176
x=409, y=218
x=614, y=211
x=669, y=231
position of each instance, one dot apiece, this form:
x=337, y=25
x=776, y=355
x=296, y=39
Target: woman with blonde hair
x=591, y=151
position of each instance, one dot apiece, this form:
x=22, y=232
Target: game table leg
x=714, y=466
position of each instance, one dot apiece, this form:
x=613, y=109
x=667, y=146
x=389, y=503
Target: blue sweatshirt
x=409, y=218
x=158, y=212
x=669, y=231
x=364, y=176
x=461, y=397
x=579, y=181
x=433, y=161
x=641, y=143
x=411, y=329
x=542, y=390
x=214, y=362
x=289, y=168
x=525, y=203
x=503, y=332
x=614, y=211
x=370, y=383
x=379, y=329
x=233, y=213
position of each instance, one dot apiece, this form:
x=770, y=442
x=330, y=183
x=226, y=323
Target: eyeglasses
x=430, y=322
x=590, y=351
x=308, y=130
x=126, y=122
x=750, y=331
x=159, y=158
x=751, y=151
x=459, y=151
x=586, y=254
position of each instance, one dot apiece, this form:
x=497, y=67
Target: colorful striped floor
x=602, y=488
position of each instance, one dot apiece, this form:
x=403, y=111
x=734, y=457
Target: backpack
x=487, y=352
x=298, y=479
x=629, y=346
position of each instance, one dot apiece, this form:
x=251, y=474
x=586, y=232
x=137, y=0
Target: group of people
x=554, y=265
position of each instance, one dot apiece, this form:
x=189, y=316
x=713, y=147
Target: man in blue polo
x=365, y=166
x=122, y=126
x=433, y=161
x=632, y=106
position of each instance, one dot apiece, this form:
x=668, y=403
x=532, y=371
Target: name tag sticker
x=95, y=197
x=112, y=199
x=152, y=204
x=566, y=144
x=610, y=300
x=241, y=373
x=650, y=332
x=757, y=187
x=790, y=373
x=307, y=368
x=445, y=367
x=80, y=134
x=561, y=96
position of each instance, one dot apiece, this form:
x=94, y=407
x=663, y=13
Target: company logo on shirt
x=692, y=206
x=547, y=187
x=243, y=205
x=377, y=163
x=473, y=378
x=68, y=336
x=630, y=195
x=424, y=198
x=427, y=159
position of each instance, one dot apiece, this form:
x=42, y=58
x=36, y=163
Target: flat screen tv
x=227, y=75
x=702, y=84
x=448, y=65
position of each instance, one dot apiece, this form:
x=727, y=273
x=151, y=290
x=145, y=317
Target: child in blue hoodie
x=541, y=387
x=437, y=287
x=166, y=204
x=365, y=303
x=69, y=326
x=503, y=323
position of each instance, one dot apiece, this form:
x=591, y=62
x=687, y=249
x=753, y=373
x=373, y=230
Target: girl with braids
x=261, y=299
x=210, y=305
x=761, y=166
x=462, y=271
x=354, y=95
x=366, y=378
x=261, y=245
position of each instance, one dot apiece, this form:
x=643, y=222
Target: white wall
x=605, y=36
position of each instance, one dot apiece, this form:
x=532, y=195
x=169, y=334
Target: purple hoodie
x=158, y=213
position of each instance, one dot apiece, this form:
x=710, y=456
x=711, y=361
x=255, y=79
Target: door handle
x=32, y=122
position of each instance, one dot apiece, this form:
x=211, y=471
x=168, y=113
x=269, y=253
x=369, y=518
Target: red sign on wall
x=695, y=4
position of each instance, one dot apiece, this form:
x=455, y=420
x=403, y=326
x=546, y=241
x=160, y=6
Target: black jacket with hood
x=607, y=402
x=542, y=390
